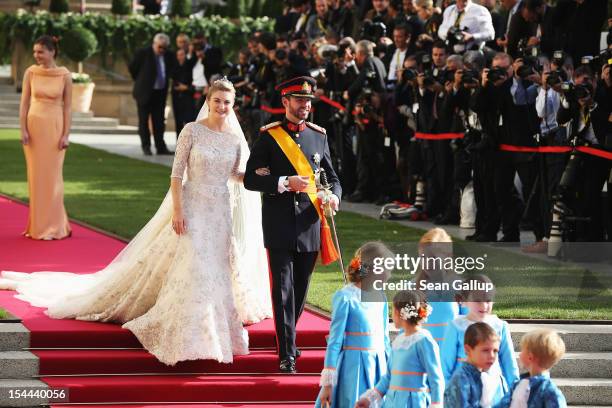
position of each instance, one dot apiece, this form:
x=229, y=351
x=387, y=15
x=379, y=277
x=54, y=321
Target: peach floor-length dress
x=45, y=123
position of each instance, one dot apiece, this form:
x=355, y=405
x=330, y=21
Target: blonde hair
x=426, y=4
x=222, y=85
x=427, y=245
x=546, y=345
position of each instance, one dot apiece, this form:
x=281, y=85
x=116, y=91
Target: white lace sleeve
x=239, y=166
x=373, y=397
x=181, y=155
x=329, y=376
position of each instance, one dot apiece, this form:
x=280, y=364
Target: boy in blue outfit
x=470, y=385
x=541, y=349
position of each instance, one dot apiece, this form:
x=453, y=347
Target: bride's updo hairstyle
x=223, y=85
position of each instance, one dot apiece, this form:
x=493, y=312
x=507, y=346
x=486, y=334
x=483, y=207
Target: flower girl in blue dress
x=452, y=353
x=414, y=377
x=437, y=243
x=358, y=344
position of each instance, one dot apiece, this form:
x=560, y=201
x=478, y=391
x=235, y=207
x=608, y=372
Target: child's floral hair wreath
x=358, y=266
x=411, y=311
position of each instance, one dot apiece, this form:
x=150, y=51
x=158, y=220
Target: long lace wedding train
x=184, y=297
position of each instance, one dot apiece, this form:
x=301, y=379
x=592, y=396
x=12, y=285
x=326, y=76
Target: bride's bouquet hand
x=178, y=223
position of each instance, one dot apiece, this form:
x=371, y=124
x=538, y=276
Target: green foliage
x=59, y=6
x=120, y=37
x=79, y=44
x=180, y=8
x=121, y=7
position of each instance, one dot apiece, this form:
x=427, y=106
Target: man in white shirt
x=401, y=39
x=474, y=21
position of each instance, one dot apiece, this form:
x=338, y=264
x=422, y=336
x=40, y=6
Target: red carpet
x=110, y=366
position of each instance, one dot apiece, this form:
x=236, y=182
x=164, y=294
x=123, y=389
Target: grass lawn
x=119, y=195
x=3, y=314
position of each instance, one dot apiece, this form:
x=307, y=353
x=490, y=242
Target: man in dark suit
x=291, y=222
x=151, y=6
x=151, y=69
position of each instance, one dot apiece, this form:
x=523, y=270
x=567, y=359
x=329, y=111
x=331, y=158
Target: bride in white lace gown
x=196, y=272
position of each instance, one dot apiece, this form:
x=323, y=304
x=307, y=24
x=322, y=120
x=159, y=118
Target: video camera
x=598, y=61
x=577, y=92
x=497, y=73
x=455, y=39
x=373, y=31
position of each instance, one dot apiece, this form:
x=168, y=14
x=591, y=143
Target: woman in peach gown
x=45, y=124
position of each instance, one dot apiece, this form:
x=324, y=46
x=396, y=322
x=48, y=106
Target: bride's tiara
x=223, y=82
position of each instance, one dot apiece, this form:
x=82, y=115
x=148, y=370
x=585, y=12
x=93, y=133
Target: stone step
x=14, y=336
x=18, y=364
x=577, y=337
x=76, y=121
x=586, y=391
x=584, y=365
x=13, y=112
x=9, y=91
x=8, y=387
x=9, y=102
x=119, y=130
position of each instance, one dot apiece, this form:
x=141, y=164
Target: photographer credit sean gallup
x=452, y=287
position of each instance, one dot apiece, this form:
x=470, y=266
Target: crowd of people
x=421, y=99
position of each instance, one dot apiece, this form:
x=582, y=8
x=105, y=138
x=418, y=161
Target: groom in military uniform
x=292, y=150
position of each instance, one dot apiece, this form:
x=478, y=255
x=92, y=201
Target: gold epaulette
x=316, y=127
x=270, y=126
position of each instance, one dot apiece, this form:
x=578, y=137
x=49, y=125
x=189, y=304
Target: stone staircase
x=584, y=375
x=85, y=123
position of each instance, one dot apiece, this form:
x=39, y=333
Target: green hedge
x=120, y=37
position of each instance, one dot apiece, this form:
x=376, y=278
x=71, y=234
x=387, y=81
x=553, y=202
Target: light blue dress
x=357, y=347
x=414, y=378
x=442, y=313
x=543, y=393
x=452, y=352
x=464, y=389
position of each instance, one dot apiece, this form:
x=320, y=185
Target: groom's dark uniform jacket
x=289, y=219
x=291, y=225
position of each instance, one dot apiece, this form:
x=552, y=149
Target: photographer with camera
x=466, y=25
x=484, y=102
x=367, y=88
x=319, y=23
x=535, y=25
x=521, y=125
x=405, y=97
x=340, y=73
x=380, y=14
x=437, y=115
x=579, y=191
x=394, y=59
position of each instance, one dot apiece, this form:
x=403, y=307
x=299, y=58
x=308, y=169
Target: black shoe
x=287, y=365
x=147, y=151
x=471, y=237
x=165, y=152
x=298, y=353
